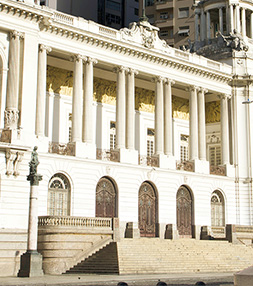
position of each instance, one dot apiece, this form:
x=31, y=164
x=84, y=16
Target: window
x=113, y=18
x=110, y=4
x=164, y=15
x=136, y=11
x=70, y=126
x=150, y=142
x=217, y=209
x=149, y=2
x=183, y=12
x=184, y=31
x=112, y=135
x=58, y=196
x=184, y=145
x=43, y=3
x=164, y=33
x=215, y=155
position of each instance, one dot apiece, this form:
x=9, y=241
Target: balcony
x=165, y=4
x=164, y=23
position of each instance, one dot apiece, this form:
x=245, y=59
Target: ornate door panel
x=105, y=199
x=184, y=212
x=147, y=210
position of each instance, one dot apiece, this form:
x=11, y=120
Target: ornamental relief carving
x=104, y=91
x=213, y=112
x=180, y=108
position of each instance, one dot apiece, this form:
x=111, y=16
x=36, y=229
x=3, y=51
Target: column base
x=85, y=150
x=132, y=230
x=31, y=264
x=201, y=166
x=165, y=162
x=127, y=156
x=171, y=231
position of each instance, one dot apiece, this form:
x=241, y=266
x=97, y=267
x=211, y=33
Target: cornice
x=49, y=23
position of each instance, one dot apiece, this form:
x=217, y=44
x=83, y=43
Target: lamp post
x=31, y=260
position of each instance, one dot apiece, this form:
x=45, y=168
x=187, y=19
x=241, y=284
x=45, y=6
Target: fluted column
x=87, y=101
x=168, y=135
x=11, y=113
x=238, y=24
x=201, y=124
x=232, y=18
x=193, y=123
x=76, y=133
x=208, y=24
x=159, y=116
x=41, y=90
x=196, y=26
x=243, y=22
x=121, y=108
x=202, y=25
x=224, y=130
x=251, y=25
x=130, y=109
x=221, y=19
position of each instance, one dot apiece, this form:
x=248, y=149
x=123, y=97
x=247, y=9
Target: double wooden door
x=147, y=210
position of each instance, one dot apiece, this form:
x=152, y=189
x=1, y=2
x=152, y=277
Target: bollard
x=122, y=284
x=160, y=283
x=200, y=283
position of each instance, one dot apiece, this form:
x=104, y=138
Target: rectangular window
x=112, y=135
x=164, y=33
x=164, y=15
x=110, y=18
x=113, y=5
x=183, y=12
x=184, y=31
x=150, y=142
x=70, y=126
x=215, y=155
x=184, y=147
x=149, y=2
x=136, y=11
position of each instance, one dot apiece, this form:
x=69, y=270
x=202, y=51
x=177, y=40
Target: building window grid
x=112, y=135
x=214, y=155
x=70, y=127
x=184, y=148
x=113, y=5
x=150, y=142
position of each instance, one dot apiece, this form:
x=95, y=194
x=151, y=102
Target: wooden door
x=105, y=199
x=184, y=212
x=147, y=210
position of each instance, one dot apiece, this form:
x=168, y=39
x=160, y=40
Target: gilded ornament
x=213, y=112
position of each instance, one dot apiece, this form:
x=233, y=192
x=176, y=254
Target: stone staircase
x=153, y=255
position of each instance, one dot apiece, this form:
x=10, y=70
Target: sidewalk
x=111, y=280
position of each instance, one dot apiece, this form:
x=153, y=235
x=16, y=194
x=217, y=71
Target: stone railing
x=185, y=166
x=218, y=231
x=108, y=155
x=218, y=170
x=61, y=148
x=148, y=161
x=74, y=221
x=107, y=31
x=64, y=18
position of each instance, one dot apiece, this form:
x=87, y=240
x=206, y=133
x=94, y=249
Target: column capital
x=224, y=96
x=16, y=34
x=132, y=71
x=158, y=79
x=192, y=88
x=43, y=47
x=90, y=60
x=202, y=90
x=120, y=69
x=78, y=57
x=169, y=81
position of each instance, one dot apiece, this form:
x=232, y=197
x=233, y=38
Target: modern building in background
x=112, y=13
x=174, y=18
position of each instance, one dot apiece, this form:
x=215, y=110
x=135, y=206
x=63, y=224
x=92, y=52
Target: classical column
x=202, y=25
x=196, y=26
x=251, y=25
x=193, y=123
x=76, y=132
x=41, y=90
x=168, y=136
x=201, y=124
x=237, y=22
x=159, y=116
x=232, y=18
x=208, y=23
x=243, y=22
x=11, y=111
x=221, y=19
x=224, y=129
x=121, y=108
x=87, y=101
x=130, y=109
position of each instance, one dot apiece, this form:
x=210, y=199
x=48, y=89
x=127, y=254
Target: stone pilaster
x=231, y=21
x=238, y=21
x=77, y=99
x=243, y=22
x=11, y=114
x=41, y=90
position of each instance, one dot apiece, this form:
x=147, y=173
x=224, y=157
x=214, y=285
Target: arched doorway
x=217, y=209
x=58, y=196
x=184, y=212
x=106, y=198
x=147, y=210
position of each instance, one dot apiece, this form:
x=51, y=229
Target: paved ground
x=210, y=279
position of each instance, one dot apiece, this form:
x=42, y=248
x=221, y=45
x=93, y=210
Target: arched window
x=217, y=209
x=106, y=198
x=58, y=196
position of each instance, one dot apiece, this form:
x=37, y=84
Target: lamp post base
x=31, y=264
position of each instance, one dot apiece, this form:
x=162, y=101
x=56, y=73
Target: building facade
x=126, y=126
